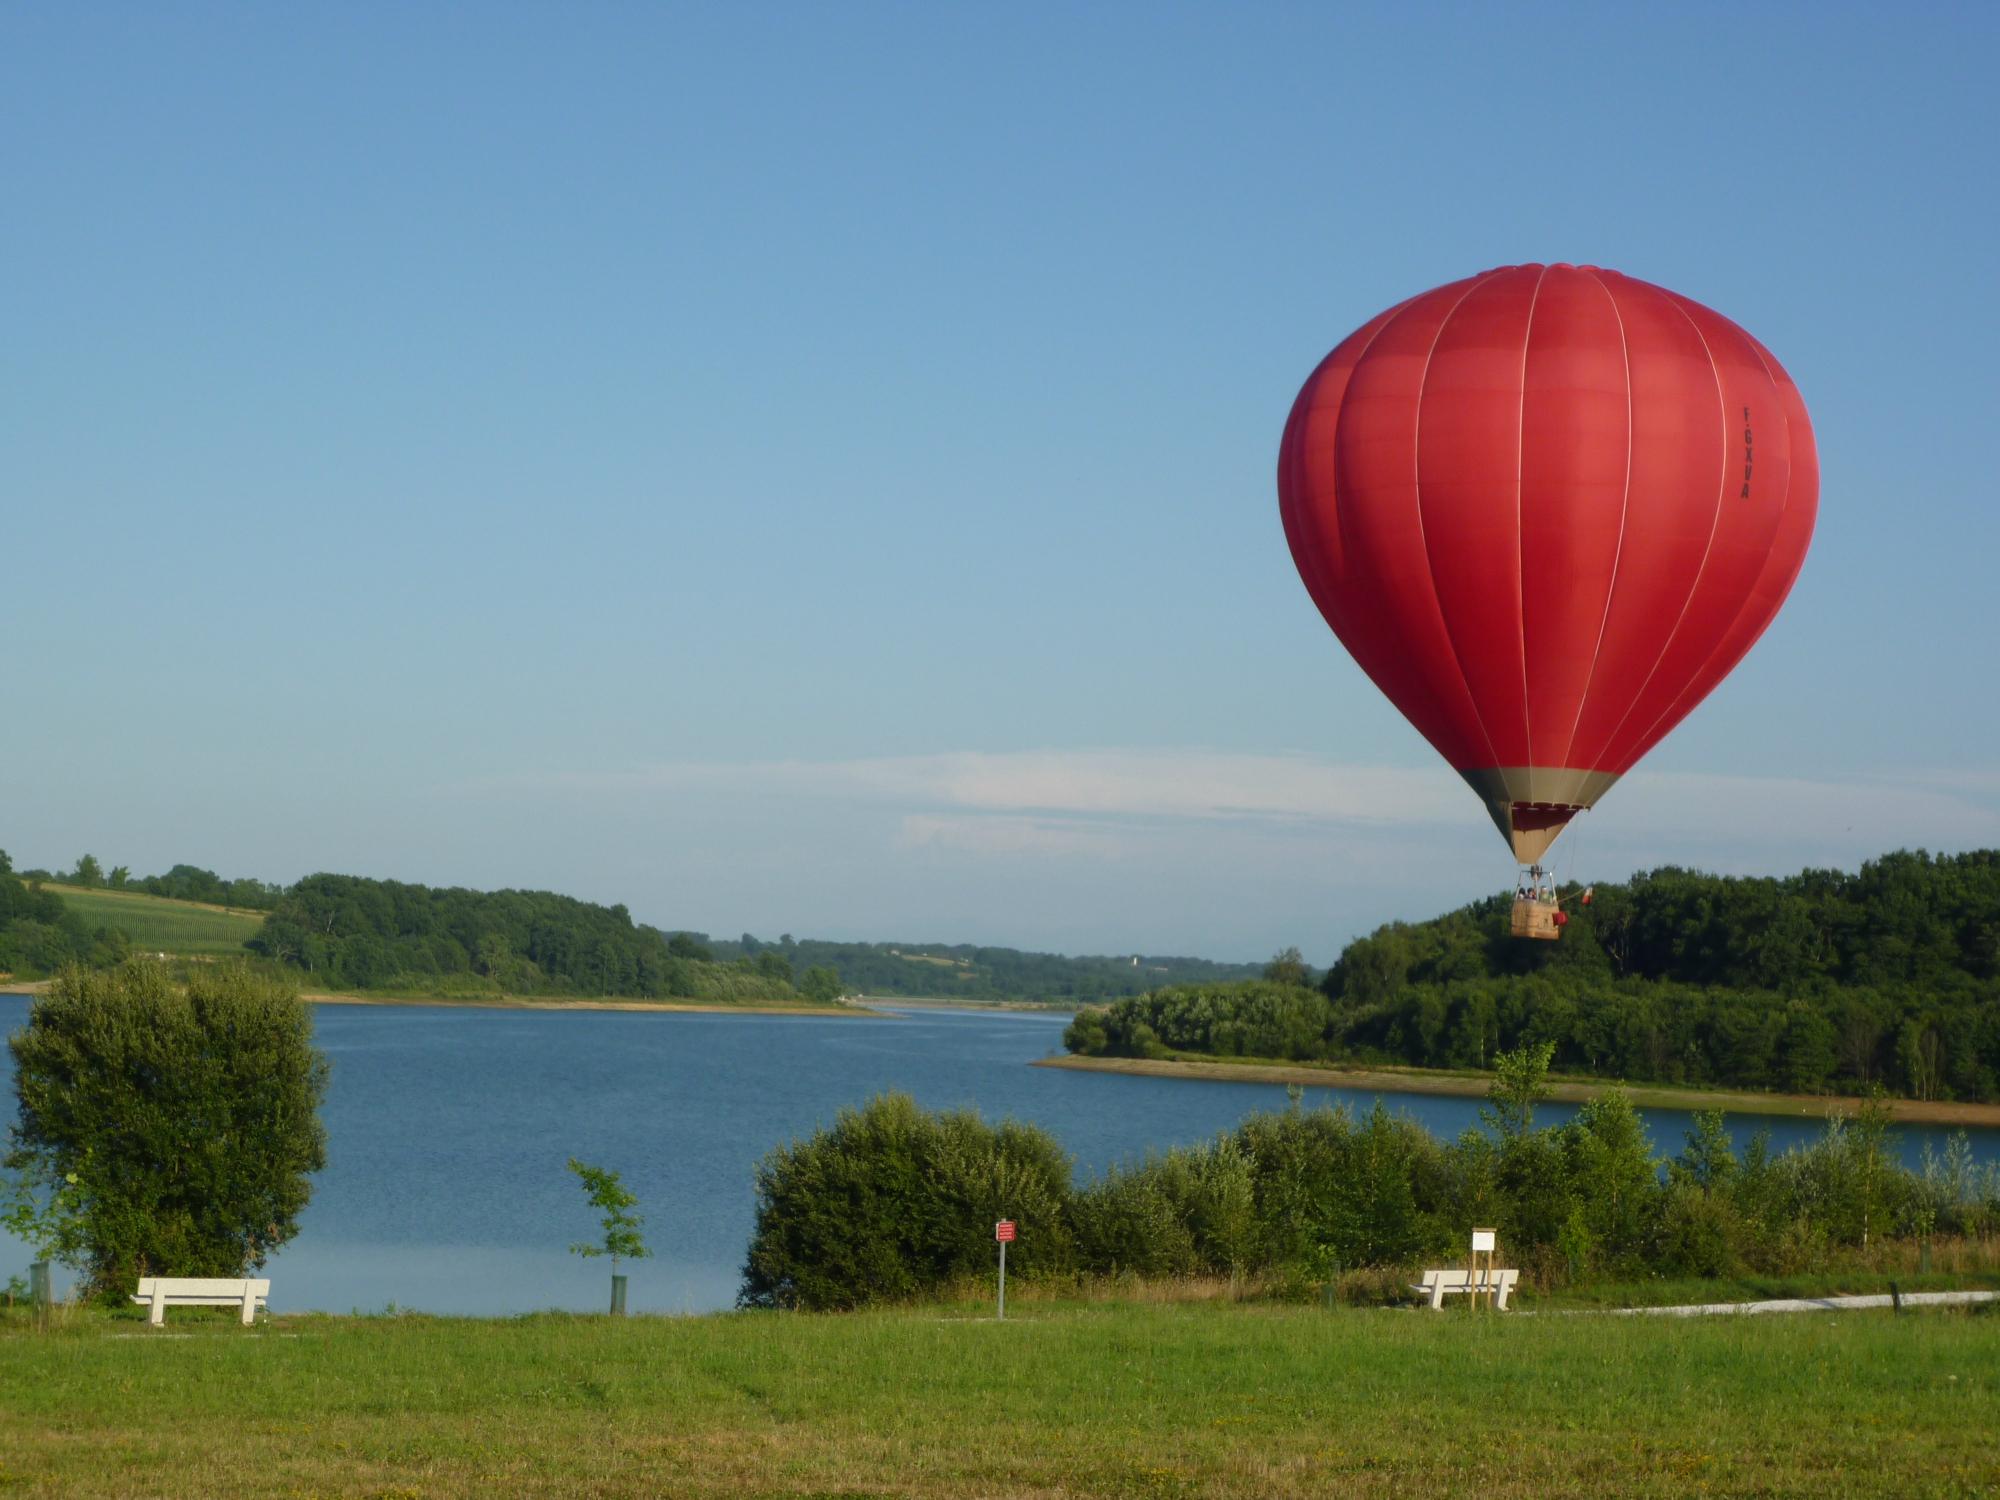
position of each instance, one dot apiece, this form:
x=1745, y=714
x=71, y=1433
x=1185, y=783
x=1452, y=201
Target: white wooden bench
x=163, y=1292
x=1437, y=1285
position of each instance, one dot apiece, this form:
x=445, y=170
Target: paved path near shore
x=1809, y=1304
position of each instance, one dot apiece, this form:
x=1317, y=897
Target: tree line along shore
x=1887, y=979
x=1474, y=1085
x=342, y=934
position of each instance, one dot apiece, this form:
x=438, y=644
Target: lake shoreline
x=536, y=1002
x=544, y=1002
x=866, y=1005
x=1562, y=1091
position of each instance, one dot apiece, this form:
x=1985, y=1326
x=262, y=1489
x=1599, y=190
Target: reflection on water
x=446, y=1187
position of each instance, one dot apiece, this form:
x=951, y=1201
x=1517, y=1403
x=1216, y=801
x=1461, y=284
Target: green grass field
x=186, y=929
x=1063, y=1400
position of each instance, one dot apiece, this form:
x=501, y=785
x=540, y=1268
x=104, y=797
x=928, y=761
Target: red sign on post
x=1004, y=1231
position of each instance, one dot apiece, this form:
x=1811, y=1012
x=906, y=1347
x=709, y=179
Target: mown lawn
x=1062, y=1400
x=158, y=925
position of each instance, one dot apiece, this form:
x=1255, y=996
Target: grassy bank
x=1117, y=1400
x=156, y=924
x=1475, y=1085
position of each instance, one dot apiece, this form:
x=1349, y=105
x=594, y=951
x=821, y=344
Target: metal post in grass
x=1330, y=1292
x=40, y=1296
x=1004, y=1233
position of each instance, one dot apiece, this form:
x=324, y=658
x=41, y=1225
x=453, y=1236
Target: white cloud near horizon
x=1092, y=803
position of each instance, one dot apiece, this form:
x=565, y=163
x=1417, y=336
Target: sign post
x=1003, y=1232
x=1479, y=1268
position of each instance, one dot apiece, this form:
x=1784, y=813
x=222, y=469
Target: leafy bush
x=1190, y=1211
x=819, y=984
x=181, y=1119
x=894, y=1202
x=1331, y=1191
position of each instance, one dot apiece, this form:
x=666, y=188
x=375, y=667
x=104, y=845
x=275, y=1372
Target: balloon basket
x=1535, y=919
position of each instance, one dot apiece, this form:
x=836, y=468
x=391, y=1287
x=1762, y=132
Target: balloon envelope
x=1547, y=509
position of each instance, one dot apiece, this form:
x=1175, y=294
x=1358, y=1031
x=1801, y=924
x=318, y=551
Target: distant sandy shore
x=1567, y=1091
x=517, y=1002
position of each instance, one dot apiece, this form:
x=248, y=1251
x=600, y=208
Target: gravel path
x=1810, y=1304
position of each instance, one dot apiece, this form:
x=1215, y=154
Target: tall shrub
x=1614, y=1178
x=1189, y=1211
x=894, y=1202
x=1331, y=1190
x=181, y=1119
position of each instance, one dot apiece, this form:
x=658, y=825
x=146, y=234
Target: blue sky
x=810, y=468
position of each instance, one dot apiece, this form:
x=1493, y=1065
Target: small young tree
x=821, y=984
x=1520, y=1082
x=610, y=1197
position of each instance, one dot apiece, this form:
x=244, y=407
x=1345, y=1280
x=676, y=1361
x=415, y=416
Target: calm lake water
x=448, y=1132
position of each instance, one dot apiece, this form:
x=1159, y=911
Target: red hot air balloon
x=1547, y=508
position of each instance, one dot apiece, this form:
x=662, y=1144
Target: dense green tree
x=1616, y=1179
x=820, y=984
x=689, y=945
x=1288, y=966
x=1709, y=1159
x=894, y=1201
x=1806, y=1048
x=183, y=1116
x=1520, y=1083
